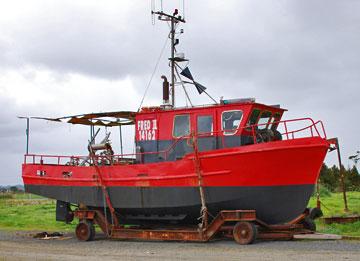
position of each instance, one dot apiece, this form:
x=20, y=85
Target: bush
x=6, y=195
x=324, y=191
x=331, y=178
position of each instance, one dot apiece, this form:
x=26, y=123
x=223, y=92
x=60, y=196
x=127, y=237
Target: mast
x=174, y=19
x=172, y=35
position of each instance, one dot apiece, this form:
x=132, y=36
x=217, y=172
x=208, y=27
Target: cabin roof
x=152, y=110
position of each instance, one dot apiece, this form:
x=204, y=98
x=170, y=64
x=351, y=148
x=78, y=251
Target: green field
x=333, y=205
x=30, y=212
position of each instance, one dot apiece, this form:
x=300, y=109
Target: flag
x=200, y=88
x=186, y=72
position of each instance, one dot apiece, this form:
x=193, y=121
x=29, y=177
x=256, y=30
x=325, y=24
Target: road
x=21, y=246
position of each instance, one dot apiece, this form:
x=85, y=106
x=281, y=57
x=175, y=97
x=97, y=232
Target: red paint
x=165, y=118
x=293, y=161
x=288, y=162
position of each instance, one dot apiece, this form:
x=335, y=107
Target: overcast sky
x=68, y=57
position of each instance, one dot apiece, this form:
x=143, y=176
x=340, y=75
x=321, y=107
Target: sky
x=69, y=57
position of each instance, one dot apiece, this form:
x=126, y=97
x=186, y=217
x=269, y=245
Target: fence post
x=342, y=177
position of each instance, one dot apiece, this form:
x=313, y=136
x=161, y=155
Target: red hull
x=276, y=179
x=289, y=162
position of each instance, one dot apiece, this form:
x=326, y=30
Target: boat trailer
x=241, y=225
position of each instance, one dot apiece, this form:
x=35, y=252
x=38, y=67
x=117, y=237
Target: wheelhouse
x=229, y=124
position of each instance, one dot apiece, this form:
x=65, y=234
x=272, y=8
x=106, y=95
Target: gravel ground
x=21, y=246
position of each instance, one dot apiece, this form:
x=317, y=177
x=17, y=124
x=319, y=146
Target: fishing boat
x=190, y=162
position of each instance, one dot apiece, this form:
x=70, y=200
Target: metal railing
x=311, y=129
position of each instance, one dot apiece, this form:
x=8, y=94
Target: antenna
x=152, y=12
x=183, y=5
x=176, y=58
x=174, y=20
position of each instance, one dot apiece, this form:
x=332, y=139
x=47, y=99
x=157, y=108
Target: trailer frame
x=241, y=225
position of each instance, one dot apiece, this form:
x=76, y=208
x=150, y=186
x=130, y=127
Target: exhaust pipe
x=165, y=90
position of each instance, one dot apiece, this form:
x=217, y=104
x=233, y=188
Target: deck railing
x=308, y=128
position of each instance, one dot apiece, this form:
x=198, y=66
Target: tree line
x=331, y=179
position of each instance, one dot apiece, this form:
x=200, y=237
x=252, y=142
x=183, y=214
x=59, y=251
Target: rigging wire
x=184, y=8
x=183, y=85
x=204, y=91
x=152, y=10
x=153, y=73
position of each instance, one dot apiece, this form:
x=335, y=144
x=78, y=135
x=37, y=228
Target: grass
x=333, y=205
x=30, y=212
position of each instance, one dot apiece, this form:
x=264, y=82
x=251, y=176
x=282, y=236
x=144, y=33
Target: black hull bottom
x=273, y=204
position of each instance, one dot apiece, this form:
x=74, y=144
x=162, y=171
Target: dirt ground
x=21, y=246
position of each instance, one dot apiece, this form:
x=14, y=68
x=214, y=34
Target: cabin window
x=205, y=124
x=275, y=118
x=253, y=118
x=181, y=125
x=231, y=121
x=264, y=119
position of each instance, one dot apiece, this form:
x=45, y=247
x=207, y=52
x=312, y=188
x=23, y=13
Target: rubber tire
x=315, y=213
x=309, y=224
x=264, y=135
x=245, y=233
x=85, y=231
x=268, y=135
x=277, y=135
x=259, y=138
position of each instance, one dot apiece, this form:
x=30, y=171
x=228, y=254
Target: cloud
x=68, y=57
x=36, y=92
x=82, y=37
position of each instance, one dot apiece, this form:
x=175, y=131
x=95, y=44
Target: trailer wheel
x=85, y=231
x=245, y=233
x=309, y=224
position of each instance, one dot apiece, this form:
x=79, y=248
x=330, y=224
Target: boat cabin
x=164, y=134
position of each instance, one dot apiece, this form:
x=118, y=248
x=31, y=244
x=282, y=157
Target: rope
x=105, y=213
x=203, y=210
x=322, y=204
x=153, y=73
x=204, y=91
